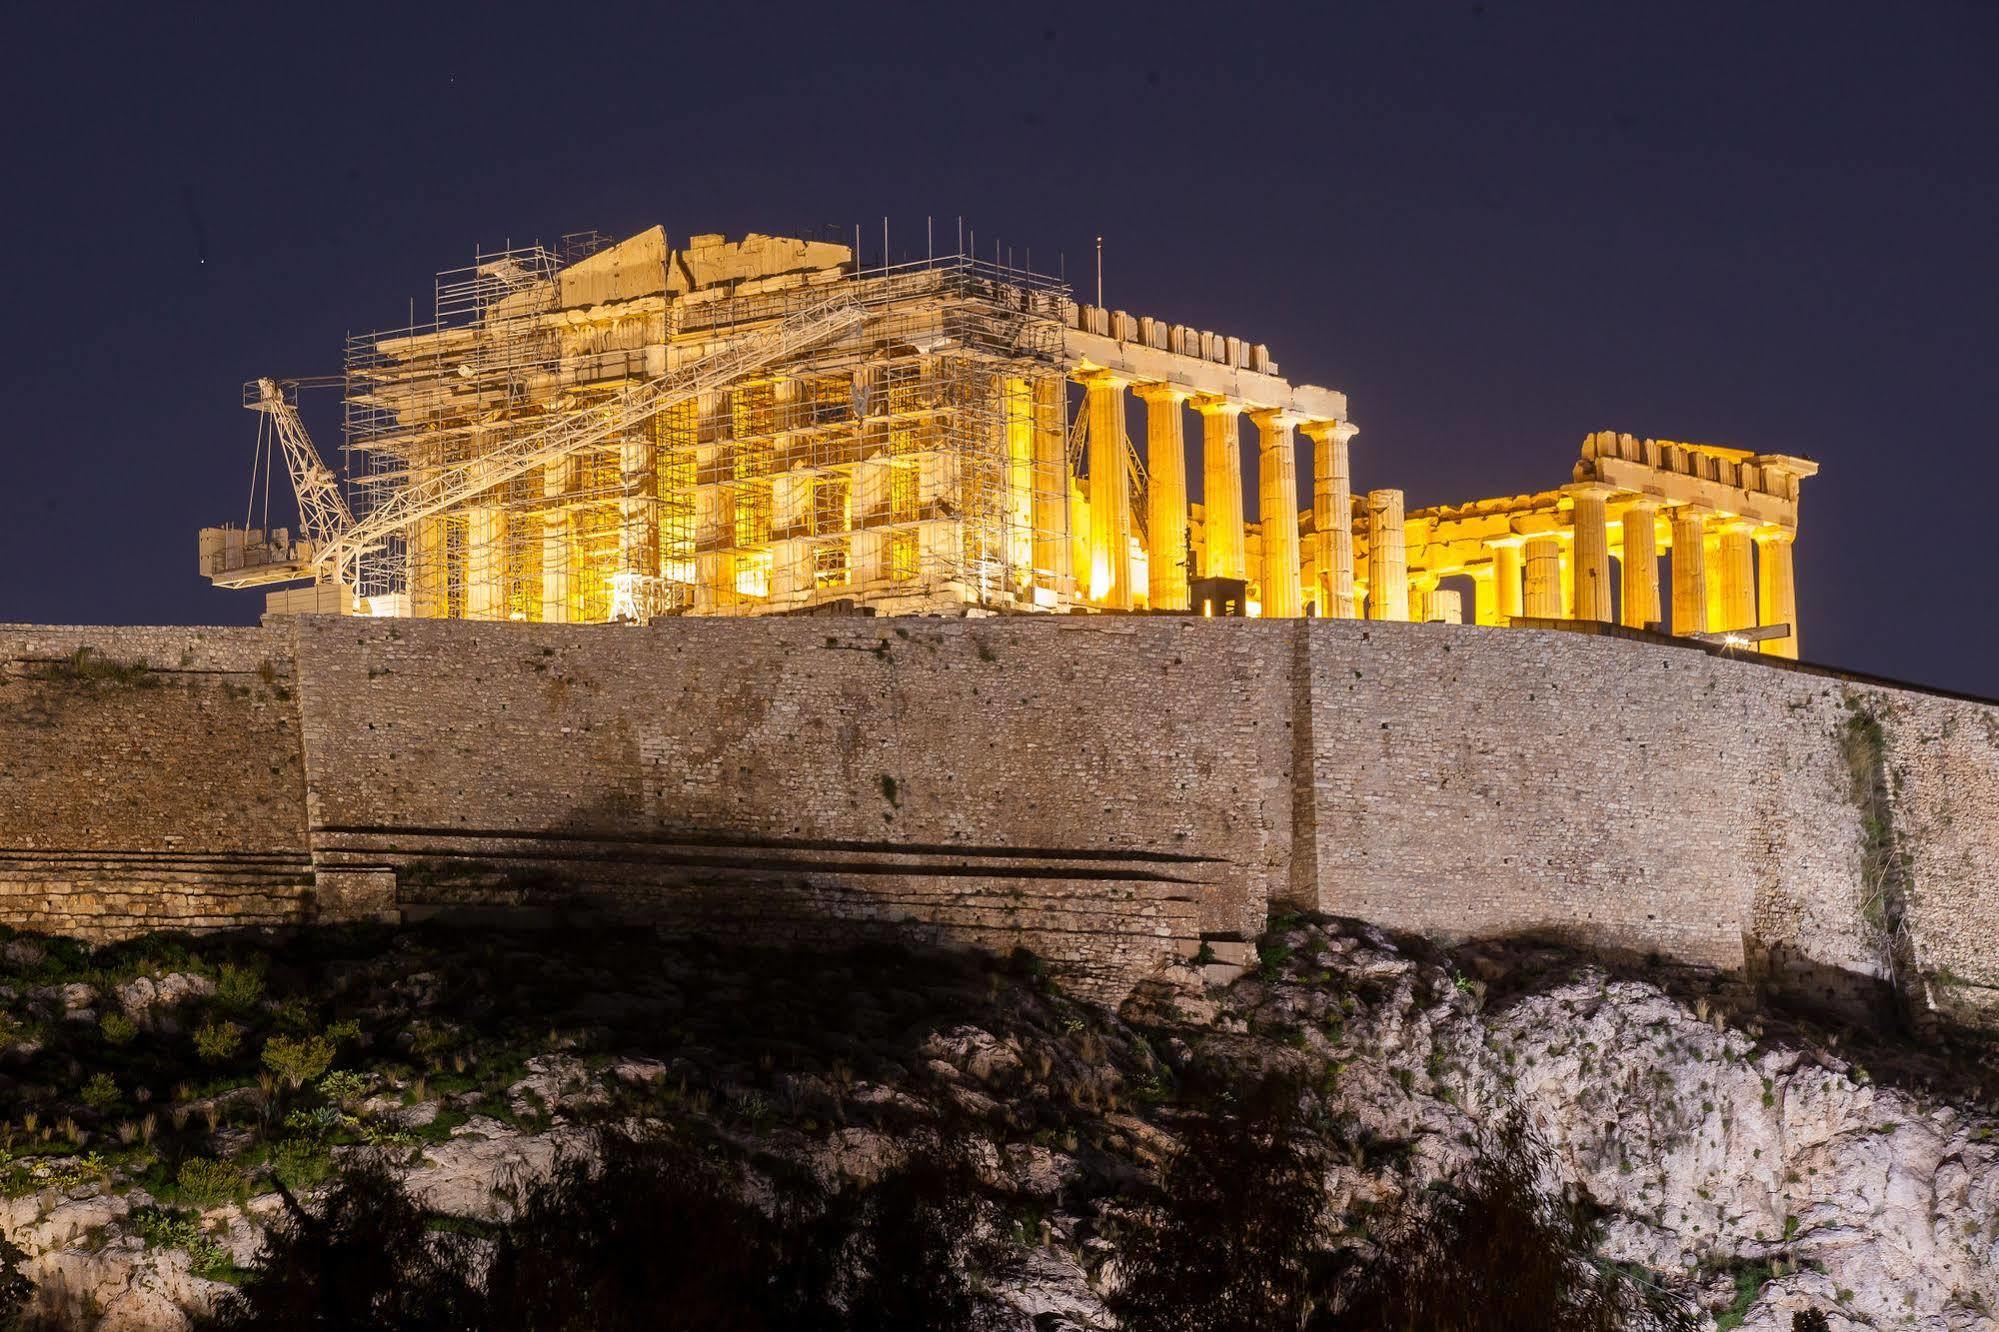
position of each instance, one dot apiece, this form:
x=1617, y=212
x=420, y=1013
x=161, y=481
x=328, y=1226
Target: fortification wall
x=1102, y=790
x=149, y=779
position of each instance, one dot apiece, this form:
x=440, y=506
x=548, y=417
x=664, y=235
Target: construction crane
x=333, y=540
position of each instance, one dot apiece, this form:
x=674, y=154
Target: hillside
x=1750, y=1165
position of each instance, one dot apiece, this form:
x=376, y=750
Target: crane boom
x=322, y=511
x=454, y=484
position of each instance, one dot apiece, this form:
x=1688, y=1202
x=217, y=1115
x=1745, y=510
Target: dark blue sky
x=1496, y=226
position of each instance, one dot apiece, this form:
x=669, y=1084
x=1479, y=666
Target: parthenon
x=619, y=432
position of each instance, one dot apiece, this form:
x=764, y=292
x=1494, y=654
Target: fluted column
x=1387, y=557
x=1221, y=487
x=1422, y=588
x=1447, y=606
x=1777, y=589
x=1017, y=401
x=1734, y=567
x=1689, y=570
x=1592, y=551
x=1506, y=598
x=1110, y=493
x=1166, y=500
x=1543, y=599
x=1277, y=502
x=1641, y=565
x=485, y=563
x=1051, y=485
x=1332, y=521
x=555, y=541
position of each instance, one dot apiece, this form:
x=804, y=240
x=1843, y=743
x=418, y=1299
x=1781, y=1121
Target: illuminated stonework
x=622, y=432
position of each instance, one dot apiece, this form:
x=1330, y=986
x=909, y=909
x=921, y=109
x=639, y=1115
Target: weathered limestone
x=1167, y=547
x=1422, y=587
x=1641, y=565
x=1447, y=606
x=1221, y=482
x=1543, y=600
x=1592, y=553
x=1110, y=493
x=1332, y=516
x=1278, y=504
x=1690, y=598
x=1777, y=598
x=1387, y=557
x=1735, y=574
x=555, y=542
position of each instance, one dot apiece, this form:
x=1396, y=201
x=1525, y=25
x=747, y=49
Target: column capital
x=1340, y=432
x=1729, y=523
x=1582, y=489
x=1092, y=377
x=1274, y=420
x=1690, y=509
x=1774, y=533
x=1211, y=404
x=1156, y=392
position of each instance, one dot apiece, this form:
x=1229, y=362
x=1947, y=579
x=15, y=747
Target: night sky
x=1496, y=226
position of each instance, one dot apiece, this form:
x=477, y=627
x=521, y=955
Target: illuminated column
x=1422, y=591
x=1734, y=568
x=1017, y=407
x=1332, y=516
x=1506, y=602
x=1592, y=552
x=555, y=542
x=1051, y=485
x=485, y=564
x=1543, y=600
x=1387, y=557
x=1777, y=586
x=1110, y=493
x=1447, y=606
x=1689, y=570
x=638, y=520
x=1166, y=496
x=1277, y=501
x=1641, y=565
x=1221, y=487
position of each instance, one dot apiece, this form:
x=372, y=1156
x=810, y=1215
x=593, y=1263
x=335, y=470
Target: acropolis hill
x=907, y=642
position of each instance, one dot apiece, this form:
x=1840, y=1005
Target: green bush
x=298, y=1061
x=99, y=1092
x=301, y=1163
x=117, y=1028
x=205, y=1182
x=162, y=1229
x=218, y=1042
x=238, y=987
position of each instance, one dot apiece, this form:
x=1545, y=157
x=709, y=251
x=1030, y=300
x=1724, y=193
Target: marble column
x=1110, y=493
x=1543, y=599
x=1166, y=499
x=1387, y=557
x=555, y=540
x=1506, y=597
x=1777, y=589
x=1641, y=565
x=1736, y=571
x=1277, y=502
x=1221, y=487
x=1689, y=570
x=1332, y=516
x=1422, y=592
x=1592, y=551
x=485, y=563
x=1051, y=485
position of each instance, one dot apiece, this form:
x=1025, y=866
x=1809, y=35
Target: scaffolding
x=506, y=462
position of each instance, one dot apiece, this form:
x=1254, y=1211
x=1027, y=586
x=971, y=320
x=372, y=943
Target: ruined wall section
x=1617, y=794
x=1099, y=790
x=149, y=779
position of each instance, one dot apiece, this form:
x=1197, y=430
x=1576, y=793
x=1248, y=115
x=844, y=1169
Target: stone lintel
x=1133, y=361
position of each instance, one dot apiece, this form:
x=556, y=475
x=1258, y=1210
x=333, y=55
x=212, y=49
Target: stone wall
x=1101, y=790
x=149, y=778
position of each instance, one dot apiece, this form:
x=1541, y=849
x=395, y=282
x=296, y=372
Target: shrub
x=164, y=1229
x=118, y=1028
x=99, y=1092
x=218, y=1042
x=301, y=1164
x=238, y=987
x=343, y=1088
x=298, y=1061
x=205, y=1182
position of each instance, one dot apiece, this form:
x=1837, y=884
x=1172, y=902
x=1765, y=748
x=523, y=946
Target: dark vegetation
x=714, y=1083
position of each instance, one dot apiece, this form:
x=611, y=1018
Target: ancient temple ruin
x=621, y=432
